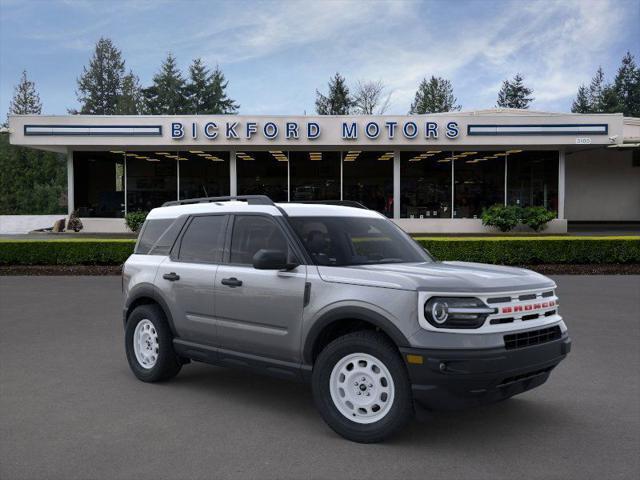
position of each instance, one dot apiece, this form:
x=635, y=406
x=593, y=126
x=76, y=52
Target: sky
x=275, y=54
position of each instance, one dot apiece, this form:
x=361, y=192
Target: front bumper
x=456, y=378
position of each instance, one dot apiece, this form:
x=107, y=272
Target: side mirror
x=272, y=260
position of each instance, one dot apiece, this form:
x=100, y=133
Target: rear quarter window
x=151, y=232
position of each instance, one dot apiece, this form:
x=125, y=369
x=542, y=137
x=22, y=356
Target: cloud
x=277, y=53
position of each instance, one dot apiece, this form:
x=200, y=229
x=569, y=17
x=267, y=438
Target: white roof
x=292, y=209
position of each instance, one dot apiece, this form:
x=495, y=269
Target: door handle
x=172, y=277
x=231, y=282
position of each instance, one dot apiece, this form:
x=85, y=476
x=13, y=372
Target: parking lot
x=71, y=409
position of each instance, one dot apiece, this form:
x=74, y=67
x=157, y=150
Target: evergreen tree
x=433, y=96
x=25, y=99
x=206, y=91
x=130, y=101
x=596, y=91
x=196, y=90
x=99, y=86
x=167, y=95
x=581, y=104
x=338, y=101
x=627, y=86
x=31, y=181
x=218, y=100
x=514, y=94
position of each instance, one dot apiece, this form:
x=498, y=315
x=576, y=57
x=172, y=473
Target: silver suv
x=338, y=296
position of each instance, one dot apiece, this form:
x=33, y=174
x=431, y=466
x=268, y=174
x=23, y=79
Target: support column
x=233, y=174
x=70, y=183
x=396, y=184
x=561, y=177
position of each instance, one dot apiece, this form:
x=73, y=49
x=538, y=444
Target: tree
x=100, y=85
x=31, y=181
x=581, y=104
x=219, y=102
x=627, y=86
x=167, y=95
x=433, y=96
x=206, y=92
x=338, y=101
x=514, y=94
x=25, y=99
x=130, y=101
x=196, y=89
x=596, y=91
x=370, y=98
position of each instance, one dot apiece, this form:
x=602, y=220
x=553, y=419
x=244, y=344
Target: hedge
x=65, y=252
x=535, y=250
x=497, y=250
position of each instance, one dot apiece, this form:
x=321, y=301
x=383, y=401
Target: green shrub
x=134, y=220
x=535, y=250
x=503, y=217
x=537, y=217
x=65, y=252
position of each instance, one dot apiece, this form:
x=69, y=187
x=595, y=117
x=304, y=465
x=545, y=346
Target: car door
x=259, y=311
x=186, y=279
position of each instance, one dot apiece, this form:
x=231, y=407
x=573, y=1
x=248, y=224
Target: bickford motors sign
x=294, y=130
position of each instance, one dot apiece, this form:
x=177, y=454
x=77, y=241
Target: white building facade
x=429, y=173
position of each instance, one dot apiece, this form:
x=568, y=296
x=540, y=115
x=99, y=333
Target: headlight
x=456, y=312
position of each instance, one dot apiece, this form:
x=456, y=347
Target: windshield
x=345, y=241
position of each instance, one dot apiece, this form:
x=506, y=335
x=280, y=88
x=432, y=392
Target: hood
x=438, y=276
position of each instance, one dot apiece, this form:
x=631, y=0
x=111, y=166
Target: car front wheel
x=361, y=387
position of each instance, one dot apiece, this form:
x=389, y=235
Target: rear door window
x=203, y=240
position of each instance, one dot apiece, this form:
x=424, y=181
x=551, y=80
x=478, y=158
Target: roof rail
x=250, y=199
x=342, y=203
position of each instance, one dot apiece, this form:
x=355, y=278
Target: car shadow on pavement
x=517, y=419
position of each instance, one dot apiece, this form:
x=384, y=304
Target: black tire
x=379, y=346
x=168, y=363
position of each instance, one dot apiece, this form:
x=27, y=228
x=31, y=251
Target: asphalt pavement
x=71, y=409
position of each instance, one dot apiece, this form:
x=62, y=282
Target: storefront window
x=532, y=178
x=425, y=188
x=368, y=178
x=99, y=184
x=151, y=179
x=203, y=174
x=315, y=176
x=478, y=182
x=263, y=173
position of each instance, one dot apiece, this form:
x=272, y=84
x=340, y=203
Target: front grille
x=534, y=337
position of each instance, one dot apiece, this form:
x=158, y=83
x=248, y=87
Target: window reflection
x=262, y=173
x=315, y=176
x=425, y=184
x=99, y=183
x=203, y=173
x=532, y=178
x=368, y=178
x=151, y=179
x=478, y=182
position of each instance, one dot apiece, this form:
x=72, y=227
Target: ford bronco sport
x=340, y=297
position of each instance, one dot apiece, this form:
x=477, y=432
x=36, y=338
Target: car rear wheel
x=361, y=387
x=149, y=345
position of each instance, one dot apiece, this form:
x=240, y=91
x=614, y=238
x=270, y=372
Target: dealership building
x=429, y=173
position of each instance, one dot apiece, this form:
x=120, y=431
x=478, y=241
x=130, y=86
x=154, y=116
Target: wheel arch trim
x=147, y=290
x=350, y=312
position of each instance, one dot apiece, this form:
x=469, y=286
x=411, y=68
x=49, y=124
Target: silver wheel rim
x=362, y=388
x=145, y=344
